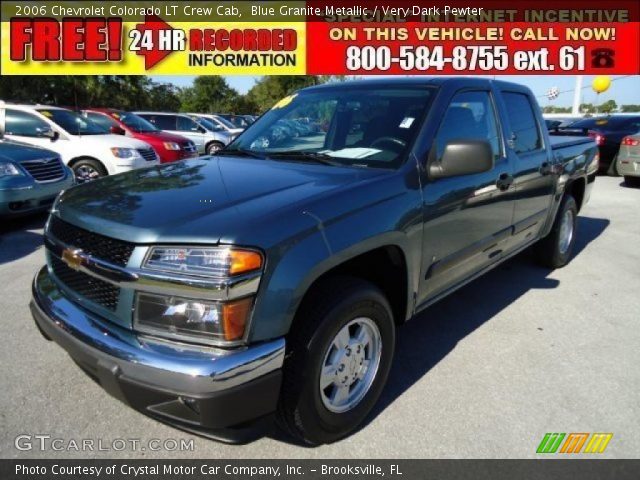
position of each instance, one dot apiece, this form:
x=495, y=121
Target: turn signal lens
x=203, y=261
x=244, y=261
x=234, y=318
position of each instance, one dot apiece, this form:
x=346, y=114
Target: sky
x=623, y=90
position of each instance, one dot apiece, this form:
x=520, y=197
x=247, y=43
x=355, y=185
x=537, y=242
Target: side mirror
x=49, y=133
x=201, y=129
x=117, y=130
x=462, y=157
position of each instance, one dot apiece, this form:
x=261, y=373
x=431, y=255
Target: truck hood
x=201, y=200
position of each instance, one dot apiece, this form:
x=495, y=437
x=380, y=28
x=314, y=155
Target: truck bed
x=562, y=141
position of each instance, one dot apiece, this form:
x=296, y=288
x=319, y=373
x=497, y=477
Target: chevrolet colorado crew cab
x=269, y=279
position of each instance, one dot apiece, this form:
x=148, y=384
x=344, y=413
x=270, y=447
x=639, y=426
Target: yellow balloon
x=601, y=84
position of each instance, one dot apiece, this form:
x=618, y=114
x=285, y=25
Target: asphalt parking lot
x=484, y=373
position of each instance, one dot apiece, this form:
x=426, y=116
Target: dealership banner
x=320, y=37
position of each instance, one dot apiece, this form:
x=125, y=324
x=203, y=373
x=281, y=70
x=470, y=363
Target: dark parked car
x=559, y=122
x=281, y=291
x=608, y=133
x=30, y=178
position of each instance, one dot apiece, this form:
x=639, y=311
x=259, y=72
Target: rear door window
x=163, y=122
x=524, y=126
x=185, y=124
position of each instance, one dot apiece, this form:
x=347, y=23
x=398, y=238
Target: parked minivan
x=30, y=178
x=86, y=147
x=207, y=137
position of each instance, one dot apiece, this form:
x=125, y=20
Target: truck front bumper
x=199, y=389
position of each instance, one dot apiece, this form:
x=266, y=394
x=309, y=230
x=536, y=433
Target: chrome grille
x=93, y=289
x=108, y=249
x=46, y=170
x=148, y=154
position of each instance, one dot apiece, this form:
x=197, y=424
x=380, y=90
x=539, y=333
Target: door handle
x=545, y=168
x=504, y=181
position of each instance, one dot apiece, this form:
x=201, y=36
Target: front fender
x=293, y=267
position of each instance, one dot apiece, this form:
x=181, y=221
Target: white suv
x=86, y=147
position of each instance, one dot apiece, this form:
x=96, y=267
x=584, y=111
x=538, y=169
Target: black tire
x=87, y=169
x=213, y=147
x=632, y=181
x=548, y=250
x=326, y=310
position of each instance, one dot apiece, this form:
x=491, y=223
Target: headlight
x=9, y=170
x=171, y=146
x=125, y=152
x=191, y=319
x=201, y=261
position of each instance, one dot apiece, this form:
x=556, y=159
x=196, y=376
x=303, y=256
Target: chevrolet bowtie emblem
x=72, y=258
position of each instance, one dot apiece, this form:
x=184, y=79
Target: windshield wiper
x=241, y=152
x=317, y=157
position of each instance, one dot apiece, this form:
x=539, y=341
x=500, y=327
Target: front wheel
x=339, y=356
x=554, y=251
x=87, y=169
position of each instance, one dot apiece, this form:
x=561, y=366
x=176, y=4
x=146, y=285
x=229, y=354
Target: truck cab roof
x=462, y=82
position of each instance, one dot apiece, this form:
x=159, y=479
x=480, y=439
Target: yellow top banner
x=140, y=38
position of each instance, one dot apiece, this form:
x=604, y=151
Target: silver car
x=209, y=138
x=226, y=125
x=628, y=161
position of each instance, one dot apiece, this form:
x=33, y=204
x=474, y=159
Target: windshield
x=73, y=123
x=208, y=124
x=225, y=122
x=135, y=123
x=235, y=120
x=364, y=126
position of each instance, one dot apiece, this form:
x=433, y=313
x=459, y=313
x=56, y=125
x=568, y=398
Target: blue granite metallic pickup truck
x=267, y=281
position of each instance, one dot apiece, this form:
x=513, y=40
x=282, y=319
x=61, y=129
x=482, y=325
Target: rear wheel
x=87, y=169
x=554, y=251
x=339, y=356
